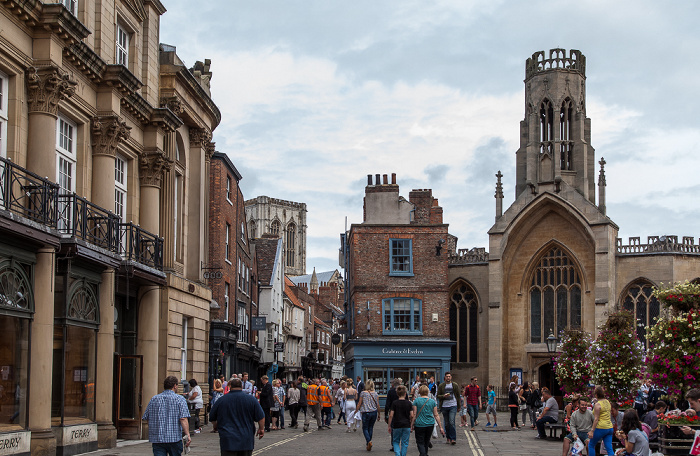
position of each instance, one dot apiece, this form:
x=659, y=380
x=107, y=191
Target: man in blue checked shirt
x=167, y=417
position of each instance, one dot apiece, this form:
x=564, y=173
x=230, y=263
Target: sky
x=317, y=94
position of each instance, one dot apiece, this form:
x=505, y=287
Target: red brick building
x=397, y=281
x=231, y=272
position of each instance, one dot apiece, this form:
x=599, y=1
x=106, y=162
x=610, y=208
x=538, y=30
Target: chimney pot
x=393, y=178
x=377, y=181
x=385, y=179
x=369, y=179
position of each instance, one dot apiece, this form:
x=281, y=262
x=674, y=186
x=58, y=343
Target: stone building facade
x=104, y=149
x=554, y=259
x=284, y=219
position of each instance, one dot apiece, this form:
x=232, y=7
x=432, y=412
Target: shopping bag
x=695, y=449
x=577, y=448
x=435, y=430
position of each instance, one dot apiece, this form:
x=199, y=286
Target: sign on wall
x=279, y=346
x=258, y=323
x=15, y=443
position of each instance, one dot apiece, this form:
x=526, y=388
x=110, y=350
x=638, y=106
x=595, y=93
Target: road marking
x=281, y=442
x=473, y=443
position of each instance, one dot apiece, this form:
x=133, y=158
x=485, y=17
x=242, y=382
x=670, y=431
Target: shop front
x=382, y=360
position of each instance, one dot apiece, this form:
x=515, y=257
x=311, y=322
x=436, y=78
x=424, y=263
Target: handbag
x=522, y=406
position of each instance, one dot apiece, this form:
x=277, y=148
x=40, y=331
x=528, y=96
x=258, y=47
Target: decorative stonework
x=152, y=165
x=83, y=303
x=46, y=87
x=107, y=133
x=174, y=104
x=209, y=151
x=601, y=176
x=199, y=137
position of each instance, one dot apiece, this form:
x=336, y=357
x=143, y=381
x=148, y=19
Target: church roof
x=322, y=277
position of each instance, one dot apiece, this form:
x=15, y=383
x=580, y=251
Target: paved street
x=294, y=442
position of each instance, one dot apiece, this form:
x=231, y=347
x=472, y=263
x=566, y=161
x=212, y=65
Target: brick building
x=397, y=282
x=232, y=345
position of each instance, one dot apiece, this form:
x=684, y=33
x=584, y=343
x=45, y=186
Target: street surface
x=336, y=442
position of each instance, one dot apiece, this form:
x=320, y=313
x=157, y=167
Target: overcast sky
x=315, y=95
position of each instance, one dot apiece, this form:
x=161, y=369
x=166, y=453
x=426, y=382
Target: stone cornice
x=166, y=119
x=59, y=20
x=46, y=87
x=152, y=165
x=174, y=103
x=138, y=107
x=107, y=133
x=120, y=77
x=85, y=60
x=201, y=95
x=157, y=5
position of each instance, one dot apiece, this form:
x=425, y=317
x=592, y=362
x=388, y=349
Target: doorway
x=547, y=378
x=129, y=380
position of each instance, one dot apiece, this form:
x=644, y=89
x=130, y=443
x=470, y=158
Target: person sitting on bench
x=581, y=422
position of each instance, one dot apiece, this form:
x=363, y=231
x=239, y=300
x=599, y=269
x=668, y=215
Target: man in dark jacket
x=391, y=396
x=266, y=400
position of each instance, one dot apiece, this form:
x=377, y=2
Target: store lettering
x=6, y=444
x=401, y=351
x=80, y=434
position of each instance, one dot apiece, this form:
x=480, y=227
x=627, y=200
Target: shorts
x=491, y=409
x=581, y=435
x=463, y=412
x=275, y=413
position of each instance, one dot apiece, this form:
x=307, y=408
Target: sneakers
x=495, y=425
x=488, y=424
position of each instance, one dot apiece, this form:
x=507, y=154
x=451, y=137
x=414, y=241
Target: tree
x=617, y=357
x=573, y=366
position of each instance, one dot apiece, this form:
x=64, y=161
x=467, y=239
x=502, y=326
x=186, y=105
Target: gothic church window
x=645, y=307
x=290, y=239
x=546, y=127
x=555, y=296
x=251, y=229
x=275, y=227
x=566, y=145
x=463, y=324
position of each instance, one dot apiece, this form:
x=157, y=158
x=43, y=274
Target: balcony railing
x=37, y=199
x=28, y=195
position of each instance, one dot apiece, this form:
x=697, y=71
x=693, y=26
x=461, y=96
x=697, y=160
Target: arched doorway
x=547, y=378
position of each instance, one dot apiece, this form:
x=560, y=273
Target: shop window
x=645, y=307
x=402, y=315
x=400, y=257
x=75, y=355
x=464, y=324
x=555, y=296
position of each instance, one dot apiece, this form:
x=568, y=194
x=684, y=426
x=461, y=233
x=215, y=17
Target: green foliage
x=573, y=366
x=681, y=296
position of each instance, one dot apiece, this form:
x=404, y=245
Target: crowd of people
x=422, y=407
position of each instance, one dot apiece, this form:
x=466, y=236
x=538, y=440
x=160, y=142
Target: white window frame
x=227, y=287
x=183, y=349
x=121, y=49
x=66, y=160
x=228, y=189
x=120, y=187
x=227, y=252
x=3, y=114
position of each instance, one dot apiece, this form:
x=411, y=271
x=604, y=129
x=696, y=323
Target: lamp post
x=552, y=349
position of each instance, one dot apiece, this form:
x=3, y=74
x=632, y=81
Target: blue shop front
x=382, y=359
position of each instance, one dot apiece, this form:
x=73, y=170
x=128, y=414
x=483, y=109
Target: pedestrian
x=534, y=402
x=368, y=406
x=247, y=385
x=491, y=406
x=283, y=405
x=550, y=413
x=636, y=441
x=168, y=419
x=447, y=396
x=351, y=397
x=340, y=400
x=194, y=398
x=472, y=396
x=325, y=397
x=234, y=416
x=580, y=424
x=277, y=401
x=301, y=386
x=602, y=426
x=293, y=401
x=314, y=405
x=391, y=396
x=513, y=407
x=425, y=418
x=693, y=398
x=414, y=388
x=266, y=400
x=360, y=385
x=523, y=396
x=401, y=416
x=642, y=398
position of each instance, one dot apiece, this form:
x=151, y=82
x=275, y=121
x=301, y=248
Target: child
x=491, y=406
x=400, y=418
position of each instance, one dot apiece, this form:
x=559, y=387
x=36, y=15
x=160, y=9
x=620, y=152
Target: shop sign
x=72, y=435
x=401, y=351
x=15, y=442
x=279, y=346
x=258, y=323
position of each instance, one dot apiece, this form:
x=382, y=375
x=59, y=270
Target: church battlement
x=658, y=244
x=558, y=59
x=475, y=255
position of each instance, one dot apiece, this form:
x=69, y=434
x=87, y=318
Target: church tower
x=555, y=135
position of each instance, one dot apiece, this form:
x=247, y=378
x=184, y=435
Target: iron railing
x=81, y=219
x=28, y=195
x=137, y=244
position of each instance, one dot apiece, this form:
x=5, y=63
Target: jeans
x=473, y=411
x=598, y=434
x=281, y=416
x=448, y=416
x=368, y=420
x=327, y=415
x=399, y=438
x=423, y=435
x=531, y=412
x=167, y=449
x=540, y=425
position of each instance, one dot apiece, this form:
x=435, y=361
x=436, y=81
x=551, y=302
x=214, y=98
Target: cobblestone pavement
x=336, y=442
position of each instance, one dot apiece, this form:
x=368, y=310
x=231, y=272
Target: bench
x=554, y=428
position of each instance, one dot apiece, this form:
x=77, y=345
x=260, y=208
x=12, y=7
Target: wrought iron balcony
x=137, y=244
x=28, y=195
x=81, y=219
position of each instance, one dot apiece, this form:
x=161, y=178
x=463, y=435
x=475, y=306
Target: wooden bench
x=554, y=428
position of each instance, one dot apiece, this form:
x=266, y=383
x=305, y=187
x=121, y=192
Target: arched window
x=251, y=229
x=566, y=144
x=275, y=227
x=463, y=324
x=546, y=127
x=290, y=239
x=645, y=307
x=555, y=296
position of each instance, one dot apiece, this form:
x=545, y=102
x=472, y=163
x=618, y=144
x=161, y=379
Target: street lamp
x=552, y=349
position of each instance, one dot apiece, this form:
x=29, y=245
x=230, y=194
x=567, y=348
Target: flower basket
x=672, y=441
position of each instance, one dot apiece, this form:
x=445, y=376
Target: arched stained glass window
x=463, y=324
x=290, y=243
x=645, y=307
x=555, y=296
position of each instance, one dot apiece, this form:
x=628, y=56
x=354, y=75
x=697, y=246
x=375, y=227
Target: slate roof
x=322, y=277
x=267, y=251
x=290, y=294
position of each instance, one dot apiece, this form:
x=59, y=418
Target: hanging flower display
x=573, y=366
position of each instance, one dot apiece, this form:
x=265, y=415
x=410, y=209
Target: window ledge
x=226, y=260
x=229, y=201
x=402, y=333
x=401, y=274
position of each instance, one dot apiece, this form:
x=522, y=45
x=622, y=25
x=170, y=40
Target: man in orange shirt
x=326, y=400
x=313, y=405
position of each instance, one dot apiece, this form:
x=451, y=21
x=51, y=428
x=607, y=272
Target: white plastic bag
x=435, y=430
x=695, y=449
x=577, y=447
